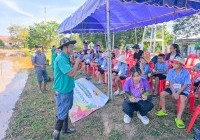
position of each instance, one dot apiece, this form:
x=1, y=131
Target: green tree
x=18, y=34
x=187, y=26
x=2, y=43
x=44, y=33
x=79, y=44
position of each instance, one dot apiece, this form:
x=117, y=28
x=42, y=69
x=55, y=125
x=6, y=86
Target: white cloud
x=13, y=6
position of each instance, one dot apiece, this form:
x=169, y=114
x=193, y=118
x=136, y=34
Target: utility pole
x=45, y=12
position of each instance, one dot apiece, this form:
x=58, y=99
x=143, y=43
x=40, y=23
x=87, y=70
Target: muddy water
x=13, y=77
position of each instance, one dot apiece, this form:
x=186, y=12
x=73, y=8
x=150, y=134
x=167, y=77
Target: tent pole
x=106, y=41
x=113, y=39
x=151, y=38
x=143, y=38
x=110, y=92
x=163, y=48
x=136, y=36
x=154, y=41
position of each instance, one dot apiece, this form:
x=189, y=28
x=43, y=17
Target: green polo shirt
x=63, y=83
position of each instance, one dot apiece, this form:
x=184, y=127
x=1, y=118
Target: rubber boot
x=66, y=129
x=57, y=129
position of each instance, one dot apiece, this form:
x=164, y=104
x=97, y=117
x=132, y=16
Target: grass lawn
x=34, y=116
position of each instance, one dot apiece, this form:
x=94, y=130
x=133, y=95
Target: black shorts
x=160, y=76
x=122, y=77
x=196, y=84
x=101, y=70
x=88, y=64
x=168, y=90
x=116, y=72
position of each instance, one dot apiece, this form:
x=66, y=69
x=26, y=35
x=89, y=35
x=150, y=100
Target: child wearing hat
x=159, y=72
x=179, y=81
x=102, y=68
x=120, y=72
x=137, y=91
x=144, y=66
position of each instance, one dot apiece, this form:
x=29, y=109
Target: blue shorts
x=168, y=90
x=64, y=103
x=42, y=76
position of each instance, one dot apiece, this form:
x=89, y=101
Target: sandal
x=179, y=123
x=161, y=113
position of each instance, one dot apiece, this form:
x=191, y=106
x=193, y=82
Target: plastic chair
x=162, y=85
x=193, y=119
x=190, y=61
x=94, y=69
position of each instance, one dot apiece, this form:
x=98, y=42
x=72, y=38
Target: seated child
x=102, y=68
x=120, y=72
x=144, y=66
x=159, y=72
x=196, y=68
x=179, y=81
x=98, y=60
x=137, y=98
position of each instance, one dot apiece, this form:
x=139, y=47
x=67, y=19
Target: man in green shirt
x=64, y=84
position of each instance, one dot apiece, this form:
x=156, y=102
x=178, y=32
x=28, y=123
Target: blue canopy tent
x=105, y=16
x=91, y=17
x=194, y=4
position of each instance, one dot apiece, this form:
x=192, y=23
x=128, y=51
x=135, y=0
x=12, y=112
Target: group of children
x=137, y=91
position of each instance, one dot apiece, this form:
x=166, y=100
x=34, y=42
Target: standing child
x=120, y=72
x=102, y=68
x=144, y=66
x=179, y=80
x=137, y=99
x=159, y=72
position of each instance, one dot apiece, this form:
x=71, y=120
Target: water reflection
x=10, y=66
x=13, y=77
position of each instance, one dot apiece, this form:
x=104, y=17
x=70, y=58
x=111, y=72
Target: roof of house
x=188, y=40
x=5, y=38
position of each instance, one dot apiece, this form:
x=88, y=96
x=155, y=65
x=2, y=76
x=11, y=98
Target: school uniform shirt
x=104, y=64
x=99, y=60
x=136, y=92
x=161, y=67
x=122, y=69
x=88, y=58
x=180, y=79
x=147, y=70
x=198, y=66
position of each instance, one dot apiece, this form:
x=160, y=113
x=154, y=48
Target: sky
x=26, y=12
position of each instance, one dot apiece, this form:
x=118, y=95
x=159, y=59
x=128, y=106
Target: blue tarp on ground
x=91, y=17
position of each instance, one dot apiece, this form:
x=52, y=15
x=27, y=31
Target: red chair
x=162, y=85
x=94, y=69
x=131, y=62
x=190, y=61
x=193, y=119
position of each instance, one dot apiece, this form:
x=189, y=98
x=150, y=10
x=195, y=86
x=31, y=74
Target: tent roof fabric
x=91, y=17
x=194, y=4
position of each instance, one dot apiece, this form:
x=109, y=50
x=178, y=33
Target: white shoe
x=127, y=119
x=116, y=92
x=144, y=119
